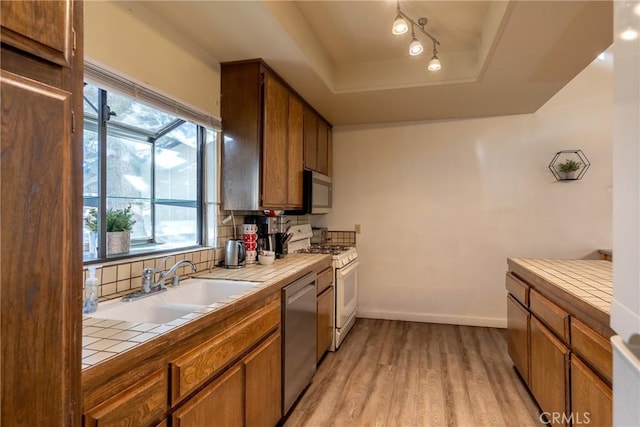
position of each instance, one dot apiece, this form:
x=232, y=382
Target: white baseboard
x=449, y=319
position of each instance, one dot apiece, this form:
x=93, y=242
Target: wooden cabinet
x=326, y=312
x=263, y=395
x=548, y=372
x=262, y=151
x=41, y=185
x=318, y=141
x=590, y=396
x=518, y=324
x=325, y=321
x=219, y=404
x=143, y=404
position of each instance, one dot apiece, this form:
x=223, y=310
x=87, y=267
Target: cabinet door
x=264, y=384
x=143, y=404
x=518, y=319
x=295, y=149
x=219, y=404
x=40, y=213
x=310, y=139
x=324, y=326
x=274, y=145
x=548, y=374
x=322, y=156
x=590, y=396
x=42, y=28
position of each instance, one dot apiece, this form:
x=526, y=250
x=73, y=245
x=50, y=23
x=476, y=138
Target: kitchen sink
x=145, y=311
x=208, y=291
x=192, y=295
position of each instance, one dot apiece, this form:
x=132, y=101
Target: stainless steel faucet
x=148, y=275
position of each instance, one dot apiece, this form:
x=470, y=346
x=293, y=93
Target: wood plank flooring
x=392, y=373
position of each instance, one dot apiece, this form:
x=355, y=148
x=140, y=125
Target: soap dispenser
x=90, y=303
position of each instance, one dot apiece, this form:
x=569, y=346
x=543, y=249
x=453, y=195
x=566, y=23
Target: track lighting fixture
x=434, y=64
x=400, y=26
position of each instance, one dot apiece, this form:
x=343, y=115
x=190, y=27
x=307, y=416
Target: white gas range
x=345, y=271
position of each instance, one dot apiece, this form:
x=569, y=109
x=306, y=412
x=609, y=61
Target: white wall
x=128, y=39
x=442, y=205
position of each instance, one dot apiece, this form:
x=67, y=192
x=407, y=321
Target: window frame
x=103, y=128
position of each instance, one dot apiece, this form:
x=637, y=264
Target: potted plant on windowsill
x=119, y=225
x=569, y=169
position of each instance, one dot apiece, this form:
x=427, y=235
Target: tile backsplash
x=121, y=277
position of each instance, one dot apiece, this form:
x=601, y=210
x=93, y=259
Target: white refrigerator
x=625, y=310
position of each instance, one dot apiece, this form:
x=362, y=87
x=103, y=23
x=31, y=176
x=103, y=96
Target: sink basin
x=208, y=291
x=148, y=311
x=190, y=296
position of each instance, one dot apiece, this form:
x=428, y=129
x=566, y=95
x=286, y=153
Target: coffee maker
x=267, y=229
x=273, y=234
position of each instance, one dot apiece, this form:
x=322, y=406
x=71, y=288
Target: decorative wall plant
x=569, y=165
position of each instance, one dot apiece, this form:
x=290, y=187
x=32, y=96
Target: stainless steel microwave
x=317, y=194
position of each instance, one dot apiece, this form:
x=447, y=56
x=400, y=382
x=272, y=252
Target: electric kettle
x=235, y=254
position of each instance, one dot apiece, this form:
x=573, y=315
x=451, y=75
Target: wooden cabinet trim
x=518, y=289
x=550, y=314
x=144, y=403
x=194, y=368
x=325, y=321
x=593, y=348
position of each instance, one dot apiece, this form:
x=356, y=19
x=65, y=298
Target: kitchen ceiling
x=498, y=57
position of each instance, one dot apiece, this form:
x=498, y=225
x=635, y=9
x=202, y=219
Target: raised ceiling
x=498, y=57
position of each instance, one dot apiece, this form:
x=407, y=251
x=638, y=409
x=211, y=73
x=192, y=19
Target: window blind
x=110, y=80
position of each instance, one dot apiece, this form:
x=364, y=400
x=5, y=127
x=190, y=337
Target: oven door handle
x=342, y=272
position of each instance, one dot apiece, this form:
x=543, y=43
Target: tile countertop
x=582, y=287
x=103, y=339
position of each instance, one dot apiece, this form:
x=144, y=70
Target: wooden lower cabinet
x=548, y=373
x=324, y=324
x=518, y=320
x=248, y=394
x=143, y=404
x=263, y=378
x=590, y=396
x=218, y=404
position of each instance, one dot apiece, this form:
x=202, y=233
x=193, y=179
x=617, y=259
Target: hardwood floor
x=391, y=373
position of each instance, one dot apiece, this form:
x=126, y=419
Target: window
x=140, y=156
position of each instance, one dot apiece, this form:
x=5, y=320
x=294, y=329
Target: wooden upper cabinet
x=41, y=28
x=262, y=152
x=41, y=185
x=295, y=164
x=318, y=139
x=310, y=139
x=275, y=144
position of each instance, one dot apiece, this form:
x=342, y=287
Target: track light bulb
x=434, y=64
x=415, y=48
x=399, y=26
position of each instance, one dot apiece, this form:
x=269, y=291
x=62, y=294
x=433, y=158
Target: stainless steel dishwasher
x=299, y=312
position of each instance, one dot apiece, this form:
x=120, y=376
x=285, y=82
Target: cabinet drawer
x=325, y=279
x=195, y=367
x=142, y=404
x=553, y=316
x=518, y=289
x=592, y=347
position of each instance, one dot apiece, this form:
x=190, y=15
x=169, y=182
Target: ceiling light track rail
x=400, y=26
